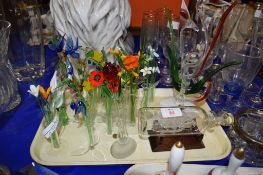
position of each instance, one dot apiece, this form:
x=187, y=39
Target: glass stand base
x=123, y=150
x=14, y=103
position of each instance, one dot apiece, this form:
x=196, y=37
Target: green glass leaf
x=174, y=68
x=106, y=90
x=200, y=84
x=63, y=116
x=89, y=54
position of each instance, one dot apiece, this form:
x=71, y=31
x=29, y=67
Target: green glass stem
x=55, y=139
x=151, y=93
x=148, y=94
x=133, y=93
x=90, y=134
x=145, y=98
x=109, y=114
x=54, y=136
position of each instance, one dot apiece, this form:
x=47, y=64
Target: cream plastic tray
x=186, y=169
x=217, y=145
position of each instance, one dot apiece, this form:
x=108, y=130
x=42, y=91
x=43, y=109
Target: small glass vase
x=49, y=118
x=148, y=90
x=132, y=91
x=108, y=106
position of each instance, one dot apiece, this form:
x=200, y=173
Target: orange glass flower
x=130, y=62
x=96, y=78
x=44, y=93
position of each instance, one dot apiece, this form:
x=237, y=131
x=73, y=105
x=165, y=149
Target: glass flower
x=146, y=71
x=87, y=86
x=34, y=90
x=130, y=62
x=57, y=43
x=110, y=72
x=113, y=86
x=71, y=49
x=96, y=78
x=44, y=93
x=97, y=56
x=54, y=82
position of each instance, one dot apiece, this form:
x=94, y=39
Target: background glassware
x=149, y=31
x=251, y=97
x=165, y=70
x=10, y=97
x=246, y=132
x=26, y=47
x=239, y=76
x=193, y=44
x=251, y=23
x=215, y=96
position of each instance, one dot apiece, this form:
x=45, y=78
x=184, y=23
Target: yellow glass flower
x=120, y=74
x=114, y=51
x=87, y=86
x=135, y=74
x=97, y=56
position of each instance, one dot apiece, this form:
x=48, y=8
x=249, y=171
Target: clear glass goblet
x=239, y=76
x=251, y=97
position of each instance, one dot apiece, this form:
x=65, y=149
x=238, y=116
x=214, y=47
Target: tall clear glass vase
x=125, y=145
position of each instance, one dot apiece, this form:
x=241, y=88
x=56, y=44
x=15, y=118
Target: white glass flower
x=146, y=71
x=156, y=69
x=34, y=90
x=54, y=82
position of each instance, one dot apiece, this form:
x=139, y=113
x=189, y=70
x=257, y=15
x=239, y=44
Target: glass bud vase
x=148, y=90
x=51, y=121
x=132, y=91
x=108, y=106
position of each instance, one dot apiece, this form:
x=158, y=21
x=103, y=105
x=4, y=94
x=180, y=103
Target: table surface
x=18, y=128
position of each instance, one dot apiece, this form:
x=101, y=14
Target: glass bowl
x=247, y=132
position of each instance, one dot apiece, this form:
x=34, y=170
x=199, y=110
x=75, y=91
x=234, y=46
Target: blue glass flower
x=70, y=49
x=70, y=69
x=78, y=107
x=57, y=43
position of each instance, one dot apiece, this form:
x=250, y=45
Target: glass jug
x=9, y=96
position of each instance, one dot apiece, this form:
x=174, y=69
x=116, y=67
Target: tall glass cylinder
x=26, y=47
x=10, y=97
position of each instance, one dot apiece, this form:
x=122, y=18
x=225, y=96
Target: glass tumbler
x=9, y=96
x=26, y=47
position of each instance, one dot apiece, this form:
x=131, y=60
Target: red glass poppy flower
x=96, y=78
x=110, y=72
x=113, y=86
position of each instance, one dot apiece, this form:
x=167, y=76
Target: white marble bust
x=98, y=24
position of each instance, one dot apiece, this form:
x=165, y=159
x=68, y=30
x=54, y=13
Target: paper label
x=257, y=13
x=50, y=128
x=170, y=112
